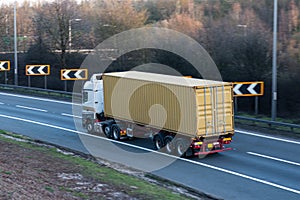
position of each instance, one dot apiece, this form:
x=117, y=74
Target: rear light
x=226, y=140
x=122, y=132
x=197, y=145
x=97, y=120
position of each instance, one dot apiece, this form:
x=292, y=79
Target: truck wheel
x=181, y=147
x=115, y=132
x=169, y=144
x=158, y=141
x=90, y=127
x=107, y=131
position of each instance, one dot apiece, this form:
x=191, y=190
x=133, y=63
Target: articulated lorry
x=182, y=116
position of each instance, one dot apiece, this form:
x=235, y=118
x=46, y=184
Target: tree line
x=236, y=33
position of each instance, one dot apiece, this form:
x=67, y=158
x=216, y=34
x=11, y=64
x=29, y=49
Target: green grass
x=111, y=176
x=5, y=172
x=49, y=188
x=264, y=125
x=264, y=117
x=132, y=185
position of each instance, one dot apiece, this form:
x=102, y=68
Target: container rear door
x=215, y=114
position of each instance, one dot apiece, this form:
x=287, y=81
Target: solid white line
x=1, y=103
x=36, y=98
x=267, y=137
x=38, y=123
x=273, y=158
x=245, y=176
x=70, y=115
x=183, y=159
x=30, y=108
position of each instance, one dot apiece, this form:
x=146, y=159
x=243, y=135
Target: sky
x=21, y=1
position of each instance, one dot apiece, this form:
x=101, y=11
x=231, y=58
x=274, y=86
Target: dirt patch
x=32, y=173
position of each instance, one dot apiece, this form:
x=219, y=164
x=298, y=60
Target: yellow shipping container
x=193, y=107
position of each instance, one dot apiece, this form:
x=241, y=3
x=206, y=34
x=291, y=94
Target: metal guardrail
x=270, y=123
x=39, y=91
x=78, y=95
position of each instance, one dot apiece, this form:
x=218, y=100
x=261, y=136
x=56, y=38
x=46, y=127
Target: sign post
x=37, y=70
x=74, y=74
x=248, y=89
x=5, y=66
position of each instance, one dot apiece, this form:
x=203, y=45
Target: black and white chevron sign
x=248, y=89
x=37, y=70
x=4, y=65
x=74, y=74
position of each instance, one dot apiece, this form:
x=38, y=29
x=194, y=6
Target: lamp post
x=15, y=44
x=244, y=26
x=274, y=64
x=70, y=32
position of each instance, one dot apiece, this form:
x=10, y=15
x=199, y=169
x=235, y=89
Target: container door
x=214, y=110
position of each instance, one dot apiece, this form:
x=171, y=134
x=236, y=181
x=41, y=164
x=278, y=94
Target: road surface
x=259, y=167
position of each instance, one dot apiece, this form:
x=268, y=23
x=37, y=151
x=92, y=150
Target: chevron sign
x=37, y=70
x=242, y=89
x=4, y=65
x=74, y=74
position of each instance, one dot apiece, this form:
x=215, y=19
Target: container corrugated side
x=191, y=110
x=163, y=106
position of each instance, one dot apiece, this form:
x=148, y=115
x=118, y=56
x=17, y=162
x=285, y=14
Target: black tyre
x=115, y=132
x=181, y=147
x=169, y=144
x=90, y=127
x=107, y=131
x=158, y=141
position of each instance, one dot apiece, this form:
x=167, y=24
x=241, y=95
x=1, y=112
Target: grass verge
x=131, y=185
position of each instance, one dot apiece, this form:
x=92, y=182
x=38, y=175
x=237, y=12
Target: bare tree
x=183, y=23
x=116, y=16
x=53, y=21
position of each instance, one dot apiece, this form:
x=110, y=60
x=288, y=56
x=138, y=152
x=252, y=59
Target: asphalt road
x=259, y=167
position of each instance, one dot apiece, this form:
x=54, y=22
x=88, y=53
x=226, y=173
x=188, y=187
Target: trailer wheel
x=158, y=141
x=181, y=147
x=107, y=131
x=169, y=144
x=115, y=132
x=90, y=127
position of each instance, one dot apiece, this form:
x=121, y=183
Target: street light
x=70, y=32
x=244, y=26
x=274, y=64
x=15, y=44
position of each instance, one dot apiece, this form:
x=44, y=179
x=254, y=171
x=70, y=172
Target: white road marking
x=1, y=103
x=39, y=99
x=38, y=123
x=31, y=108
x=267, y=137
x=70, y=115
x=273, y=158
x=149, y=150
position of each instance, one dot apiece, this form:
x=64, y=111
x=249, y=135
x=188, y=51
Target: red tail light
x=227, y=140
